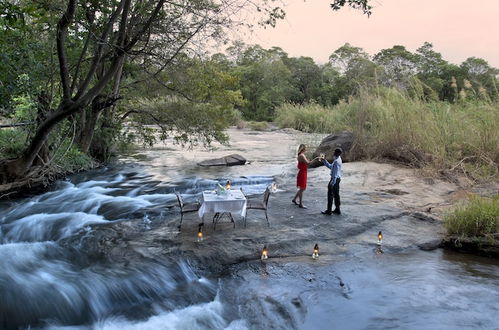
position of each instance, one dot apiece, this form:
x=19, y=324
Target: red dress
x=301, y=179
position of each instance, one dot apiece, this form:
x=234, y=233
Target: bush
x=312, y=118
x=478, y=217
x=12, y=142
x=258, y=125
x=72, y=159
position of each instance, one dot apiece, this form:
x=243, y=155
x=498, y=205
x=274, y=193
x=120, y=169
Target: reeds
x=462, y=136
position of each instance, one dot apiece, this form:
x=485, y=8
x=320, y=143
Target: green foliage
x=12, y=142
x=258, y=125
x=24, y=109
x=196, y=107
x=26, y=60
x=71, y=159
x=399, y=65
x=390, y=124
x=478, y=217
x=312, y=118
x=264, y=82
x=186, y=123
x=110, y=140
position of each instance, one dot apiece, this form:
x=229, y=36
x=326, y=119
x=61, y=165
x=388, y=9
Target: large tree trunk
x=100, y=104
x=91, y=117
x=14, y=169
x=43, y=109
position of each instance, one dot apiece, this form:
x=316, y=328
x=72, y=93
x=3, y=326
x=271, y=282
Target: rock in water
x=230, y=160
x=343, y=140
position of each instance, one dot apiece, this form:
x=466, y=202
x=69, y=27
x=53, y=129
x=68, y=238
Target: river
x=101, y=250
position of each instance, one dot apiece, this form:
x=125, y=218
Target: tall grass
x=478, y=217
x=463, y=136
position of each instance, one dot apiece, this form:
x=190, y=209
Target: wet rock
x=230, y=160
x=430, y=246
x=343, y=140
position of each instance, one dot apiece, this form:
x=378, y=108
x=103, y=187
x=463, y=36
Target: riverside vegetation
x=437, y=135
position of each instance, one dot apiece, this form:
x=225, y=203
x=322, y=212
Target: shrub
x=12, y=142
x=258, y=125
x=478, y=217
x=73, y=160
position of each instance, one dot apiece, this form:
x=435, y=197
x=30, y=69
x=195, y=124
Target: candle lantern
x=265, y=253
x=200, y=232
x=227, y=185
x=315, y=254
x=380, y=238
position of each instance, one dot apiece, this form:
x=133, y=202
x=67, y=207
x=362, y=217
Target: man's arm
x=326, y=163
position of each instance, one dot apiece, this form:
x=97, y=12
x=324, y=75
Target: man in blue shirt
x=333, y=189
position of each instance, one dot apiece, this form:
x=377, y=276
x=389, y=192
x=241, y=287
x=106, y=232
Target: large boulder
x=343, y=140
x=230, y=160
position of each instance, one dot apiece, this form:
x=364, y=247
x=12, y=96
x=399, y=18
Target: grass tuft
x=478, y=217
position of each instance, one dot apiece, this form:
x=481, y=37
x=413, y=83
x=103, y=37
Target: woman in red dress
x=301, y=178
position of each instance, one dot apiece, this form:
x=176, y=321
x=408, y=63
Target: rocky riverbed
x=103, y=249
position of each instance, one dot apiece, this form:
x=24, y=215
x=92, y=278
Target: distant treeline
x=269, y=77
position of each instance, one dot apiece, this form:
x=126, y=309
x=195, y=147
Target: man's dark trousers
x=333, y=193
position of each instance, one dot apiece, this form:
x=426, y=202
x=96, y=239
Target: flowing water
x=50, y=277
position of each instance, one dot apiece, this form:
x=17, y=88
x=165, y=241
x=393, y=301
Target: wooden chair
x=185, y=207
x=253, y=204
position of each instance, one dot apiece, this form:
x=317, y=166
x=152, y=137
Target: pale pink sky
x=457, y=28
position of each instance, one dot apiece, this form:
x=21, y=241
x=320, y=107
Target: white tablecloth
x=234, y=202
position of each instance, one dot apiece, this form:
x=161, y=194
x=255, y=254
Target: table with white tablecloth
x=233, y=201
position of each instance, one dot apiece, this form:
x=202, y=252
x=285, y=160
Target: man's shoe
x=336, y=211
x=327, y=212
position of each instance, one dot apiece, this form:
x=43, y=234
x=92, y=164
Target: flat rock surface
x=375, y=197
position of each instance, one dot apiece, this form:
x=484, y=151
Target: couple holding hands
x=333, y=189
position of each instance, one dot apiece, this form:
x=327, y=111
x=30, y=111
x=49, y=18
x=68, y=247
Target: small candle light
x=315, y=254
x=227, y=185
x=200, y=232
x=265, y=253
x=380, y=238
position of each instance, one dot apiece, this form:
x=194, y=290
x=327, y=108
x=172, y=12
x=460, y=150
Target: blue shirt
x=335, y=168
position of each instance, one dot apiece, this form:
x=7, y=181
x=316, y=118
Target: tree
x=482, y=76
x=343, y=57
x=358, y=70
x=264, y=82
x=398, y=63
x=428, y=61
x=96, y=40
x=430, y=66
x=306, y=79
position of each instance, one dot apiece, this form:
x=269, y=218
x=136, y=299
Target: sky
x=458, y=29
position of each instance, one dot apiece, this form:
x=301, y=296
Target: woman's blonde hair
x=301, y=147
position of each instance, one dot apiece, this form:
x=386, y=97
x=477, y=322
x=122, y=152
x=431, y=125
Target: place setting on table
x=222, y=202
